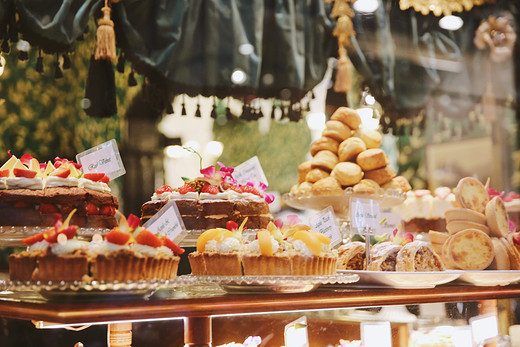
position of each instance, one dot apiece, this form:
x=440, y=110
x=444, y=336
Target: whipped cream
x=99, y=186
x=208, y=196
x=254, y=246
x=162, y=196
x=302, y=248
x=24, y=183
x=38, y=246
x=105, y=247
x=54, y=181
x=421, y=204
x=228, y=245
x=3, y=185
x=68, y=247
x=144, y=250
x=188, y=195
x=164, y=251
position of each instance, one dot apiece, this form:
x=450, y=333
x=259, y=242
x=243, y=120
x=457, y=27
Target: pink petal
x=209, y=171
x=269, y=198
x=278, y=223
x=293, y=219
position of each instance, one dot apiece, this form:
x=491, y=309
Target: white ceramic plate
x=403, y=280
x=490, y=277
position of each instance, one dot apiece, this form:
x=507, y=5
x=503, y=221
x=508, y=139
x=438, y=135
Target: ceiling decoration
x=441, y=7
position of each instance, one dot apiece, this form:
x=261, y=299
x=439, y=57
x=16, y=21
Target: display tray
x=403, y=280
x=489, y=277
x=339, y=199
x=12, y=236
x=273, y=284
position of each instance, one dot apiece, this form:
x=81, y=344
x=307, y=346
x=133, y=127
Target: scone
x=399, y=183
x=456, y=226
x=347, y=173
x=315, y=175
x=347, y=116
x=326, y=186
x=324, y=143
x=418, y=256
x=303, y=169
x=372, y=159
x=381, y=176
x=351, y=256
x=438, y=236
x=446, y=254
x=350, y=148
x=464, y=214
x=471, y=249
x=304, y=187
x=497, y=218
x=372, y=138
x=337, y=130
x=366, y=186
x=501, y=260
x=325, y=160
x=472, y=194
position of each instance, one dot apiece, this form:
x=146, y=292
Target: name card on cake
x=484, y=328
x=325, y=223
x=295, y=333
x=103, y=158
x=168, y=222
x=376, y=334
x=250, y=170
x=365, y=214
x=390, y=222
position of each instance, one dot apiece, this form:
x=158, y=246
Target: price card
x=376, y=334
x=168, y=221
x=390, y=222
x=250, y=170
x=365, y=213
x=103, y=158
x=484, y=328
x=325, y=223
x=295, y=333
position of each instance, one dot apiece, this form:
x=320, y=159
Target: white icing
x=99, y=186
x=208, y=196
x=301, y=248
x=54, y=181
x=38, y=246
x=162, y=196
x=24, y=182
x=105, y=247
x=188, y=195
x=144, y=249
x=427, y=206
x=3, y=185
x=68, y=247
x=227, y=245
x=164, y=251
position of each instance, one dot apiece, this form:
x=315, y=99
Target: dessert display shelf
x=339, y=200
x=11, y=236
x=190, y=240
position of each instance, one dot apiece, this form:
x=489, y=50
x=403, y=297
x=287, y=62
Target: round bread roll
x=501, y=260
x=381, y=176
x=303, y=169
x=325, y=160
x=324, y=143
x=326, y=186
x=497, y=218
x=315, y=175
x=337, y=130
x=464, y=214
x=446, y=254
x=347, y=116
x=372, y=159
x=456, y=226
x=366, y=186
x=350, y=148
x=471, y=249
x=372, y=138
x=304, y=187
x=438, y=237
x=472, y=194
x=294, y=189
x=347, y=173
x=399, y=183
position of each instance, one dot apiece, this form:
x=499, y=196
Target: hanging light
x=366, y=6
x=451, y=23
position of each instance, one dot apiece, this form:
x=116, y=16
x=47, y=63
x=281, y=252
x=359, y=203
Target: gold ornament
x=441, y=7
x=498, y=35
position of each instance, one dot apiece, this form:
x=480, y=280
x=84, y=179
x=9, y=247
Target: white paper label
x=250, y=170
x=390, y=222
x=325, y=223
x=168, y=222
x=376, y=334
x=296, y=334
x=484, y=328
x=365, y=213
x=103, y=158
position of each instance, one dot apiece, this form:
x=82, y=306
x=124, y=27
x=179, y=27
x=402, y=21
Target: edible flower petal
x=492, y=193
x=26, y=159
x=133, y=221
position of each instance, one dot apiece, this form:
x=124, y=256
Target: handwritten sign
x=484, y=328
x=103, y=158
x=376, y=334
x=250, y=170
x=168, y=222
x=365, y=213
x=391, y=222
x=325, y=223
x=295, y=333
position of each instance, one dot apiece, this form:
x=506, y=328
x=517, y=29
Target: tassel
x=169, y=108
x=23, y=56
x=213, y=113
x=100, y=91
x=131, y=79
x=66, y=62
x=343, y=81
x=197, y=112
x=246, y=113
x=183, y=111
x=259, y=113
x=5, y=46
x=39, y=62
x=57, y=71
x=121, y=64
x=273, y=115
x=105, y=36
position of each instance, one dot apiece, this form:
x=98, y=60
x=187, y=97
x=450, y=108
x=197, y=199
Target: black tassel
x=39, y=64
x=57, y=70
x=121, y=64
x=213, y=113
x=273, y=114
x=100, y=92
x=66, y=62
x=23, y=55
x=229, y=115
x=183, y=111
x=312, y=95
x=246, y=113
x=284, y=114
x=5, y=46
x=197, y=112
x=259, y=113
x=131, y=79
x=169, y=108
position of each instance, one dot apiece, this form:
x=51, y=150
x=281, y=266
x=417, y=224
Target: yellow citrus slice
x=217, y=234
x=311, y=241
x=264, y=242
x=322, y=237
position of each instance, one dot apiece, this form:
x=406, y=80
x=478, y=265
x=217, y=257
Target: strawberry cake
x=215, y=198
x=31, y=193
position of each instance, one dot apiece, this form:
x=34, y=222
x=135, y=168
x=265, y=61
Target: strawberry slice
x=94, y=176
x=48, y=208
x=70, y=231
x=107, y=210
x=186, y=188
x=133, y=221
x=24, y=173
x=164, y=189
x=50, y=235
x=61, y=172
x=171, y=245
x=211, y=189
x=105, y=179
x=92, y=209
x=31, y=240
x=117, y=237
x=4, y=173
x=147, y=238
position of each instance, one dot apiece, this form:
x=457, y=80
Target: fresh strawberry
x=186, y=188
x=61, y=172
x=164, y=189
x=105, y=179
x=24, y=173
x=21, y=204
x=4, y=173
x=26, y=159
x=211, y=189
x=48, y=208
x=33, y=239
x=70, y=231
x=133, y=221
x=50, y=235
x=117, y=237
x=107, y=210
x=231, y=225
x=171, y=245
x=92, y=209
x=236, y=189
x=249, y=189
x=94, y=176
x=147, y=238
